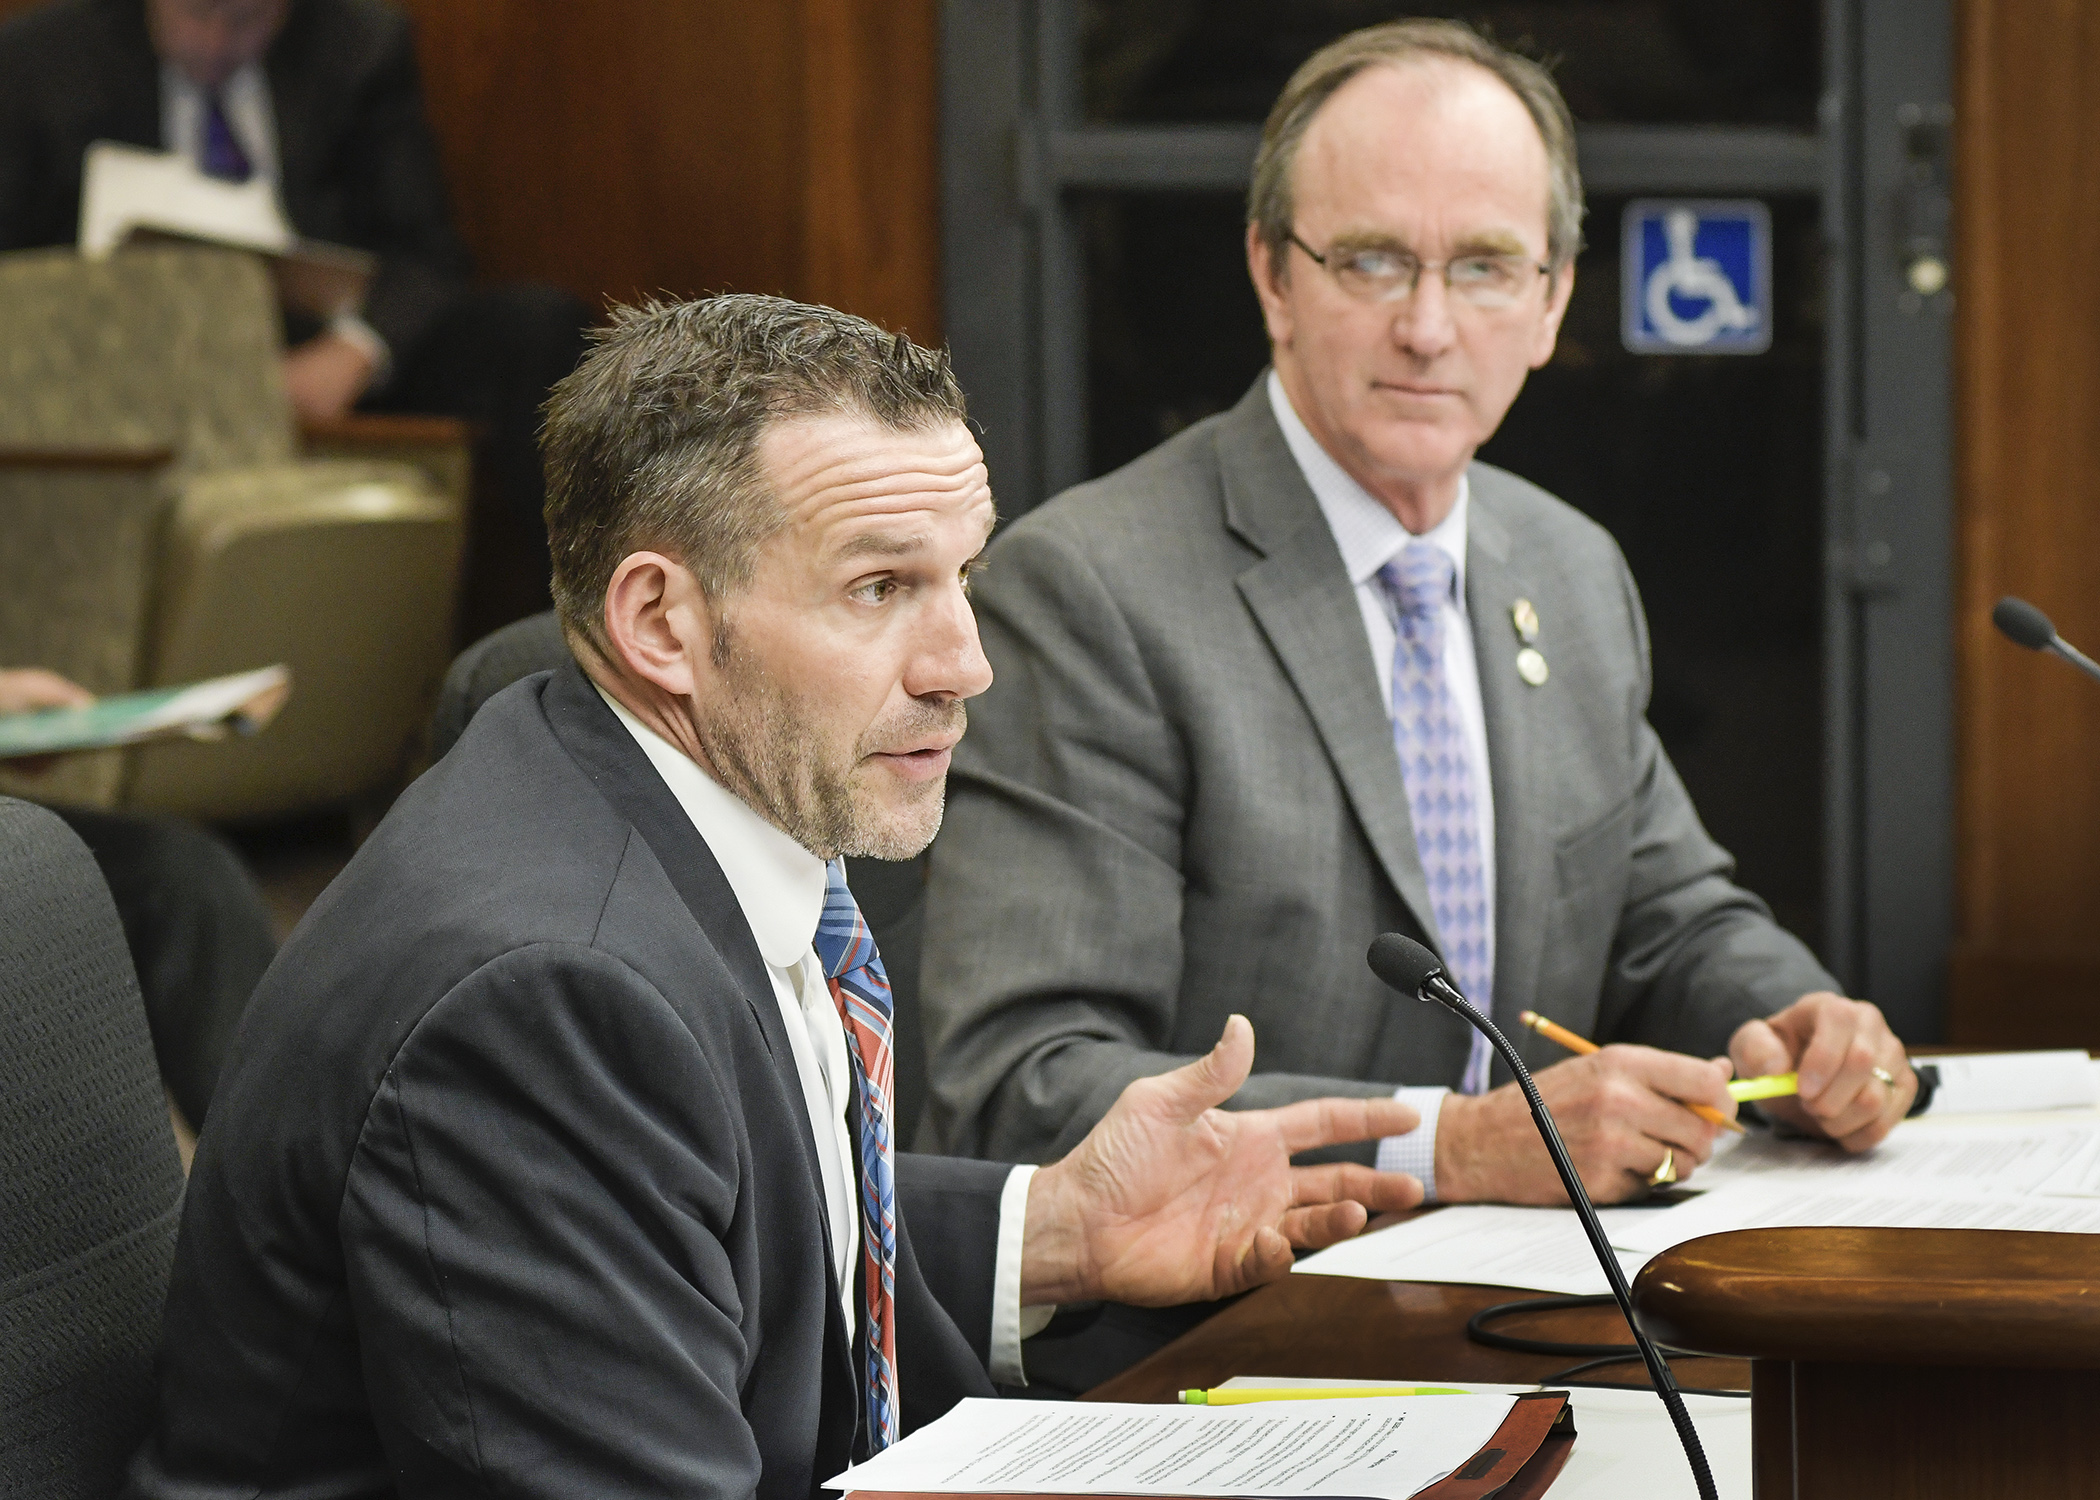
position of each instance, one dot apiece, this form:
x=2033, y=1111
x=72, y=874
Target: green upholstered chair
x=158, y=524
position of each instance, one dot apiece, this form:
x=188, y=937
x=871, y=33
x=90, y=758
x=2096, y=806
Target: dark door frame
x=1014, y=147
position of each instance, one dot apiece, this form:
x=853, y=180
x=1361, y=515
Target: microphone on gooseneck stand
x=1413, y=970
x=2024, y=625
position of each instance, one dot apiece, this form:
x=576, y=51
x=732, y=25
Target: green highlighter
x=1771, y=1086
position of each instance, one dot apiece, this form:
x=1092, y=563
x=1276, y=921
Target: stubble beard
x=772, y=748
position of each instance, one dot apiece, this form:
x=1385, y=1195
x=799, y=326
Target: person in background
x=199, y=933
x=1308, y=672
x=322, y=99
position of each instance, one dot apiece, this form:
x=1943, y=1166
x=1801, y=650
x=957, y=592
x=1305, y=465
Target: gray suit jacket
x=1180, y=799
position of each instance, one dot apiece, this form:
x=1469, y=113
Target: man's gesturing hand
x=1171, y=1199
x=1835, y=1045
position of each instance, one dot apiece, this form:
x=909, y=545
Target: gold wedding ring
x=1885, y=1076
x=1667, y=1172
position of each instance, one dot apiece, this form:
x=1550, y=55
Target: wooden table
x=1906, y=1363
x=1378, y=1330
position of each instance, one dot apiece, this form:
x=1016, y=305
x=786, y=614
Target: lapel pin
x=1531, y=667
x=1526, y=620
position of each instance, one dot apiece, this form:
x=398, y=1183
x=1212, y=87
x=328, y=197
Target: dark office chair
x=892, y=894
x=90, y=1187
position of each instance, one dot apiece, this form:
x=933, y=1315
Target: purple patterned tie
x=222, y=156
x=860, y=989
x=1437, y=766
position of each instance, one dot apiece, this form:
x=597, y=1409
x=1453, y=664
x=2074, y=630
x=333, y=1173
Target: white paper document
x=1918, y=1157
x=2079, y=1174
x=1537, y=1249
x=1992, y=1081
x=124, y=188
x=1381, y=1449
x=1625, y=1444
x=1779, y=1205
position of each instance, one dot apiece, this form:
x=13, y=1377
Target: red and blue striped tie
x=846, y=949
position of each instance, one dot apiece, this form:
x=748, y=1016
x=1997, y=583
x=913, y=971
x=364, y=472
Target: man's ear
x=657, y=624
x=1560, y=290
x=1266, y=272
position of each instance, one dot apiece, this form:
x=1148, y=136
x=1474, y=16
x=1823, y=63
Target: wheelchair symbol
x=1688, y=277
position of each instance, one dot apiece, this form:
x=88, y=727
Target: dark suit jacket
x=357, y=162
x=510, y=1189
x=1180, y=799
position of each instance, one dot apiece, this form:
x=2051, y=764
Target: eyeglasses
x=1383, y=273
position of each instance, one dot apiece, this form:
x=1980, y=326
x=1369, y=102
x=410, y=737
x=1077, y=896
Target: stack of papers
x=2030, y=1172
x=1381, y=1449
x=1625, y=1443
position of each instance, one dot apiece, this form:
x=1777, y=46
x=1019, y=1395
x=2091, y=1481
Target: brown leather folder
x=1525, y=1455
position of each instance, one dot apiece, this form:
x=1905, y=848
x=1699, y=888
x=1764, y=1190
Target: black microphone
x=2024, y=625
x=1412, y=969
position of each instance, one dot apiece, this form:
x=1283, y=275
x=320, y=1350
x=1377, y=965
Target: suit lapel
x=1523, y=883
x=1301, y=596
x=128, y=109
x=289, y=69
x=603, y=749
x=609, y=756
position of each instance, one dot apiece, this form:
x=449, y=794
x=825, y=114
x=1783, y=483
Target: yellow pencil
x=1241, y=1396
x=1582, y=1046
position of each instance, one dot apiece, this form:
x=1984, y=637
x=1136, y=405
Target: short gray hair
x=651, y=443
x=1270, y=207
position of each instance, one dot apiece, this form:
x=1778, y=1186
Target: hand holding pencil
x=1582, y=1046
x=1634, y=1118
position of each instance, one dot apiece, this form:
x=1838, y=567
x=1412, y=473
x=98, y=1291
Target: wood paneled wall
x=624, y=147
x=2027, y=966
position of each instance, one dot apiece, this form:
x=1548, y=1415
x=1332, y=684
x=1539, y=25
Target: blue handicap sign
x=1696, y=276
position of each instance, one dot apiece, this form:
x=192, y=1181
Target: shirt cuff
x=1011, y=1322
x=1415, y=1152
x=349, y=327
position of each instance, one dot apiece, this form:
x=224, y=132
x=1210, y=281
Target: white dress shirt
x=779, y=887
x=1369, y=536
x=245, y=97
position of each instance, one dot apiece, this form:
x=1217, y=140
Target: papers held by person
x=242, y=704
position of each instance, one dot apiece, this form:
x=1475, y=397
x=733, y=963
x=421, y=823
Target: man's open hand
x=1835, y=1045
x=1171, y=1199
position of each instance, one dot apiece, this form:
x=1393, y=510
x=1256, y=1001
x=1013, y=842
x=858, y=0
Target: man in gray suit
x=1182, y=797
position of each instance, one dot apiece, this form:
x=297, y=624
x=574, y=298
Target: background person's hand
x=325, y=376
x=1835, y=1045
x=1171, y=1199
x=1618, y=1109
x=27, y=689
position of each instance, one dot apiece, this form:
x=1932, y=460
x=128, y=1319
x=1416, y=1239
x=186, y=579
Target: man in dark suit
x=322, y=98
x=554, y=1158
x=1307, y=673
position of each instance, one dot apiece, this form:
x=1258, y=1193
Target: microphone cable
x=1479, y=1332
